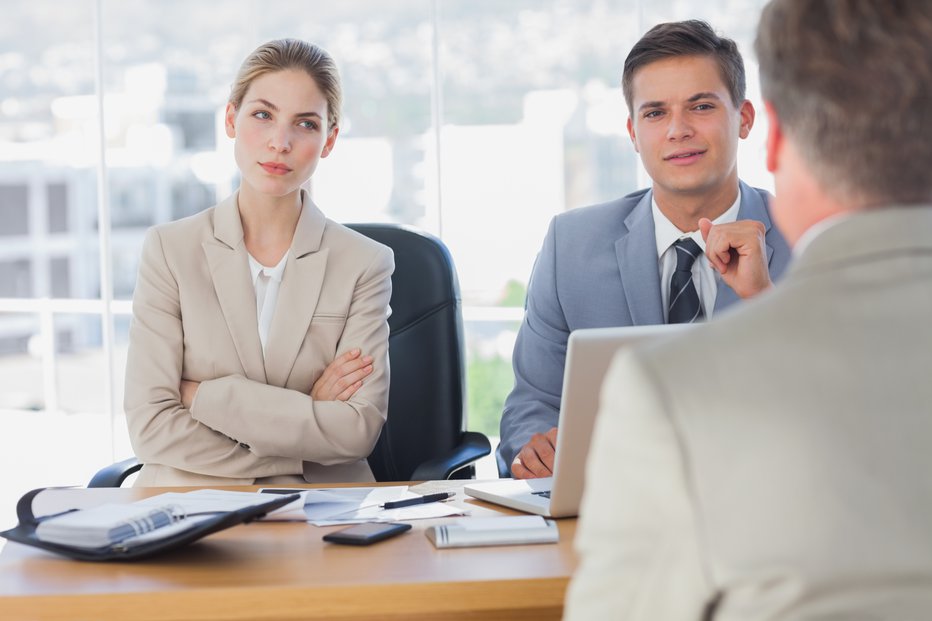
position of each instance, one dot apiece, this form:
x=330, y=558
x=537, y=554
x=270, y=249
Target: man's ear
x=775, y=137
x=747, y=113
x=229, y=120
x=634, y=138
x=331, y=140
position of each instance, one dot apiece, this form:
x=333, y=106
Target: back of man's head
x=688, y=38
x=851, y=84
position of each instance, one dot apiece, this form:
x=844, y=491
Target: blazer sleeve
x=273, y=421
x=538, y=359
x=161, y=429
x=637, y=540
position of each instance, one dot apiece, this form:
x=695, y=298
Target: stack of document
x=352, y=505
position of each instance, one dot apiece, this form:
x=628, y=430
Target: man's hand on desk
x=535, y=459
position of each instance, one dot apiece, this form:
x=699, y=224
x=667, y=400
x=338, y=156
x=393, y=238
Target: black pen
x=420, y=500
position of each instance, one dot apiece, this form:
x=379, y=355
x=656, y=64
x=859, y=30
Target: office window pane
x=125, y=264
x=57, y=194
x=526, y=139
x=189, y=196
x=60, y=277
x=20, y=363
x=14, y=210
x=121, y=444
x=133, y=196
x=523, y=140
x=489, y=376
x=47, y=141
x=16, y=278
x=30, y=434
x=80, y=365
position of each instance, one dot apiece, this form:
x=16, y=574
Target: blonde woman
x=259, y=343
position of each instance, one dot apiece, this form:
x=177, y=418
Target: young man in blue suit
x=694, y=243
x=795, y=487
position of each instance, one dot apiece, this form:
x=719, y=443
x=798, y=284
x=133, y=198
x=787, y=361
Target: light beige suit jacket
x=194, y=318
x=778, y=459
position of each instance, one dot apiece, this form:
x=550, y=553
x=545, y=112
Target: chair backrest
x=426, y=395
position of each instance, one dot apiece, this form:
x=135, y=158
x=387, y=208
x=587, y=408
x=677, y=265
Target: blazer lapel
x=636, y=252
x=298, y=294
x=229, y=272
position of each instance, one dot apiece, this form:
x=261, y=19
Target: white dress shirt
x=266, y=281
x=705, y=278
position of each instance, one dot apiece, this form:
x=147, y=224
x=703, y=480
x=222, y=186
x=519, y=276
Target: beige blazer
x=194, y=318
x=776, y=460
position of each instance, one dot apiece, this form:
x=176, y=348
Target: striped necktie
x=684, y=300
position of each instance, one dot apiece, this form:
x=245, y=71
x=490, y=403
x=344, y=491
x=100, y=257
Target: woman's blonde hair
x=282, y=54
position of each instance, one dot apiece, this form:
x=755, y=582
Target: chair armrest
x=473, y=446
x=114, y=474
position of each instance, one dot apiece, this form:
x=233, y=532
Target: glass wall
x=477, y=120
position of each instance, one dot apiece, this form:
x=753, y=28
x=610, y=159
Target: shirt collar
x=666, y=232
x=273, y=273
x=815, y=230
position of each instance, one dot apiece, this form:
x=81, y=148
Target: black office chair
x=425, y=436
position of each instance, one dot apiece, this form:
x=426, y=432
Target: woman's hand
x=342, y=377
x=188, y=392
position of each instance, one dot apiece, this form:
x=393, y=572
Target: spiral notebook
x=130, y=531
x=109, y=524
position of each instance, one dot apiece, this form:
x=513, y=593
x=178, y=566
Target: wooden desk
x=283, y=571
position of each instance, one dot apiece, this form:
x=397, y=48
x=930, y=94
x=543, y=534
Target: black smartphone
x=366, y=533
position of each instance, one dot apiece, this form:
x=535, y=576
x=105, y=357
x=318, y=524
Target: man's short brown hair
x=689, y=38
x=851, y=84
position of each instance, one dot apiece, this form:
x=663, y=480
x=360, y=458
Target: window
x=57, y=194
x=477, y=120
x=16, y=278
x=60, y=277
x=14, y=210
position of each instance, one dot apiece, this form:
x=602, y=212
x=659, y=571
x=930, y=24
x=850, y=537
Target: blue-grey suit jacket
x=597, y=268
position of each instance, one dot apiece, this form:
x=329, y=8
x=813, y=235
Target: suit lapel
x=752, y=208
x=636, y=251
x=298, y=294
x=229, y=272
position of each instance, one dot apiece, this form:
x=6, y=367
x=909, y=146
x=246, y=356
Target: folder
x=145, y=542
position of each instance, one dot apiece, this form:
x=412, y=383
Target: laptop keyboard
x=543, y=494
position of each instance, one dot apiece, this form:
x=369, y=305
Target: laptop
x=589, y=354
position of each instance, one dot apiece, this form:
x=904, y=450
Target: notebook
x=494, y=531
x=106, y=525
x=136, y=530
x=589, y=353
